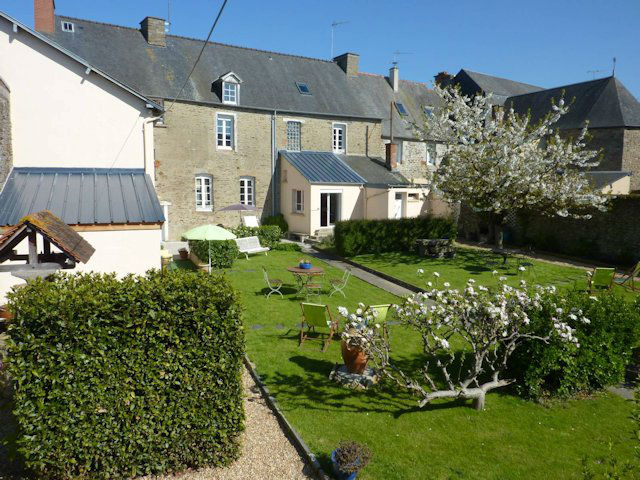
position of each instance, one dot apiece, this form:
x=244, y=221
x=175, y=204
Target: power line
x=204, y=45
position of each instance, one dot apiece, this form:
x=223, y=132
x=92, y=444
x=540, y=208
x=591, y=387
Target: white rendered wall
x=63, y=117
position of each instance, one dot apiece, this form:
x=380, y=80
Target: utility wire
x=204, y=45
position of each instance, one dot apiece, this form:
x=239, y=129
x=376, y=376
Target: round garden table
x=304, y=276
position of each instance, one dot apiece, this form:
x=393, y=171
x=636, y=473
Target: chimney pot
x=394, y=77
x=444, y=79
x=348, y=62
x=43, y=15
x=153, y=30
x=392, y=152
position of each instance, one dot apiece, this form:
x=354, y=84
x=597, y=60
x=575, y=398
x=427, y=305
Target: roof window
x=303, y=88
x=68, y=27
x=428, y=111
x=401, y=109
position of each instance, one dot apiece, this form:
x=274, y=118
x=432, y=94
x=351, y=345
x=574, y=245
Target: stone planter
x=354, y=359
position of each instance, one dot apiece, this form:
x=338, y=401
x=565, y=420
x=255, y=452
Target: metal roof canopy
x=54, y=231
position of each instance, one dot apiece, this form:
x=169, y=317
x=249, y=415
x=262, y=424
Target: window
x=401, y=110
x=303, y=88
x=428, y=111
x=339, y=138
x=224, y=131
x=204, y=190
x=293, y=136
x=298, y=201
x=230, y=93
x=414, y=197
x=68, y=27
x=247, y=190
x=400, y=152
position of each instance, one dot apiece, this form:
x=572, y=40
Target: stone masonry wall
x=6, y=159
x=414, y=158
x=631, y=156
x=186, y=146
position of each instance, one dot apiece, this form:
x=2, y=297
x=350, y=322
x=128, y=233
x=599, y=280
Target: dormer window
x=230, y=93
x=68, y=27
x=227, y=87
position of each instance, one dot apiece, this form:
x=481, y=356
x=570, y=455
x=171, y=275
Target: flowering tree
x=497, y=161
x=476, y=322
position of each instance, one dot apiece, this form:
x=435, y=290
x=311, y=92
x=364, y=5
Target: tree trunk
x=496, y=222
x=478, y=402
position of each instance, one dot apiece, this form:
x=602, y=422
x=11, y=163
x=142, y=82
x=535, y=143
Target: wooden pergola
x=73, y=248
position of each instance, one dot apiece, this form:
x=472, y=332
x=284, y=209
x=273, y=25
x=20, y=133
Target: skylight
x=428, y=111
x=401, y=109
x=303, y=88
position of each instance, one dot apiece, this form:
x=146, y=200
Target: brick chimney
x=348, y=62
x=43, y=15
x=394, y=77
x=443, y=79
x=152, y=29
x=392, y=156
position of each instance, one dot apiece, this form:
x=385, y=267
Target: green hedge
x=269, y=235
x=562, y=369
x=223, y=252
x=120, y=378
x=277, y=220
x=354, y=237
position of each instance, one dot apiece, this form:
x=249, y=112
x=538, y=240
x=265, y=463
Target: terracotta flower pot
x=184, y=254
x=354, y=359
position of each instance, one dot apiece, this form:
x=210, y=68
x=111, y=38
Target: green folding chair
x=316, y=316
x=629, y=280
x=382, y=312
x=601, y=278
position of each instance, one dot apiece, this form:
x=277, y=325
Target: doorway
x=398, y=206
x=329, y=209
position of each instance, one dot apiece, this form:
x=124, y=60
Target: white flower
x=595, y=299
x=446, y=284
x=420, y=271
x=377, y=325
x=436, y=274
x=328, y=323
x=358, y=311
x=471, y=280
x=429, y=284
x=521, y=268
x=343, y=311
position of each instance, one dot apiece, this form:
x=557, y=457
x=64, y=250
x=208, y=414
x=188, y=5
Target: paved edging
x=377, y=273
x=291, y=432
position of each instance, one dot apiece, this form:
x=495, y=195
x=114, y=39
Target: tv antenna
x=396, y=54
x=333, y=29
x=594, y=72
x=613, y=72
x=167, y=23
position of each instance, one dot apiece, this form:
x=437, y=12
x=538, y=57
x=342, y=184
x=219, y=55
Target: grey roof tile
x=374, y=171
x=473, y=82
x=81, y=196
x=323, y=167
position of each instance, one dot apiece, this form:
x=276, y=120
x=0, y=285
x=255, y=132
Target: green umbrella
x=208, y=233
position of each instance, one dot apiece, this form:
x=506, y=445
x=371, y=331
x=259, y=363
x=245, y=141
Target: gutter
x=274, y=150
x=145, y=122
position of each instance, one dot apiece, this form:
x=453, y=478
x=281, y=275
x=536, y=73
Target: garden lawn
x=512, y=439
x=478, y=264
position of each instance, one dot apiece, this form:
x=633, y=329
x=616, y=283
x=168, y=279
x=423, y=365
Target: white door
x=329, y=209
x=397, y=206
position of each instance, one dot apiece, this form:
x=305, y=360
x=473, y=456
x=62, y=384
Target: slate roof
x=374, y=171
x=269, y=78
x=473, y=82
x=81, y=196
x=604, y=102
x=58, y=232
x=323, y=167
x=74, y=55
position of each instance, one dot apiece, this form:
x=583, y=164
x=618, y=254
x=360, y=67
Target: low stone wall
x=613, y=236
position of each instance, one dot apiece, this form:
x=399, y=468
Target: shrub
x=354, y=237
x=288, y=247
x=269, y=235
x=223, y=252
x=120, y=378
x=277, y=220
x=560, y=369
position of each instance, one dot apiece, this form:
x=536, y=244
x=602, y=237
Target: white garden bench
x=249, y=245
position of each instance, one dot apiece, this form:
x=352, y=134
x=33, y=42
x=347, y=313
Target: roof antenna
x=613, y=73
x=333, y=29
x=167, y=23
x=395, y=56
x=593, y=72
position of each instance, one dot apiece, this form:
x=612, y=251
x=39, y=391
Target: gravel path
x=267, y=454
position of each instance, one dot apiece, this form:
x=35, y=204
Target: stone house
x=221, y=135
x=76, y=142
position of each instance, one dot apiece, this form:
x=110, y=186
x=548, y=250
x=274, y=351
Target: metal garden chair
x=629, y=280
x=316, y=316
x=274, y=284
x=601, y=278
x=338, y=285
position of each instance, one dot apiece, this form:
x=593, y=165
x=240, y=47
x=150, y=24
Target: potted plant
x=304, y=264
x=184, y=253
x=353, y=346
x=348, y=459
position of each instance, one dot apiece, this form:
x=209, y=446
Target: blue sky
x=546, y=42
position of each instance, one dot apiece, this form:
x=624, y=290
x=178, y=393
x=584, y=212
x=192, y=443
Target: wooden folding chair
x=601, y=278
x=629, y=280
x=316, y=316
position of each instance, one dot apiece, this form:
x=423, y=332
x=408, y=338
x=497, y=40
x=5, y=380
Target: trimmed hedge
x=562, y=369
x=354, y=237
x=288, y=247
x=223, y=252
x=120, y=378
x=269, y=235
x=277, y=220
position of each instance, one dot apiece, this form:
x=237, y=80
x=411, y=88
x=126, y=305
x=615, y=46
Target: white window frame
x=335, y=147
x=68, y=27
x=297, y=204
x=290, y=122
x=249, y=185
x=227, y=116
x=201, y=181
x=236, y=93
